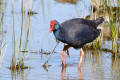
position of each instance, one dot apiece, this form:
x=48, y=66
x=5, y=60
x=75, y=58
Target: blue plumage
x=77, y=32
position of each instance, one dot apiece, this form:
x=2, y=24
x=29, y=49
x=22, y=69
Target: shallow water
x=97, y=65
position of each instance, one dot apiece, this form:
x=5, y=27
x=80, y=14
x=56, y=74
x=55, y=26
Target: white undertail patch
x=100, y=27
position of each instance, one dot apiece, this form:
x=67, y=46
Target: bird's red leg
x=63, y=57
x=66, y=47
x=81, y=58
x=68, y=53
x=63, y=54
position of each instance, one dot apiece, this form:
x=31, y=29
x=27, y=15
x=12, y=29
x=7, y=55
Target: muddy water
x=97, y=65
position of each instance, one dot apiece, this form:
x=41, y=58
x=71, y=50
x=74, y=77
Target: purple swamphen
x=75, y=33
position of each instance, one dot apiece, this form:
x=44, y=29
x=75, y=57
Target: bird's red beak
x=52, y=28
x=52, y=25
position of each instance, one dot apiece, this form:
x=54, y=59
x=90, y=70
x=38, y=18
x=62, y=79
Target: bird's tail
x=99, y=20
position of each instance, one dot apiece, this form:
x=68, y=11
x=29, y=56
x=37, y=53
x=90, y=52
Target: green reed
x=119, y=52
x=113, y=12
x=113, y=21
x=13, y=63
x=1, y=26
x=21, y=62
x=1, y=30
x=114, y=29
x=2, y=44
x=27, y=33
x=119, y=23
x=18, y=56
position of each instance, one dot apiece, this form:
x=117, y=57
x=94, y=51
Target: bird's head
x=54, y=25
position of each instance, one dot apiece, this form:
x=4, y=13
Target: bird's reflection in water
x=80, y=74
x=63, y=73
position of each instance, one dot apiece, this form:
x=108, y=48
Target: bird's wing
x=78, y=34
x=86, y=35
x=90, y=23
x=72, y=22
